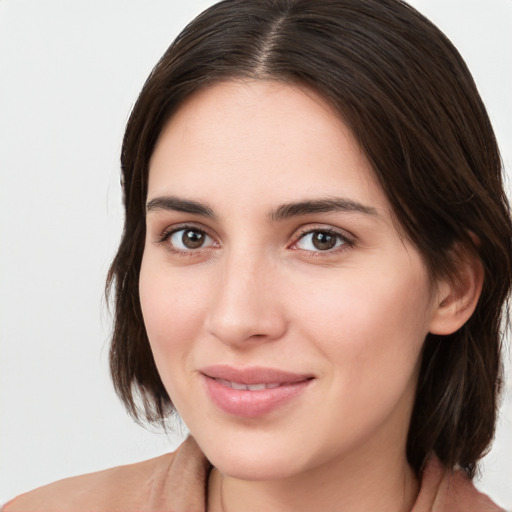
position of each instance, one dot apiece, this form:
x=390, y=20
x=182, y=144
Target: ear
x=456, y=298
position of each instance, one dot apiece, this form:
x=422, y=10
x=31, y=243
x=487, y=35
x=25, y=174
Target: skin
x=257, y=292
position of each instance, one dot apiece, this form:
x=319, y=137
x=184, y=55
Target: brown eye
x=323, y=241
x=192, y=239
x=320, y=241
x=189, y=239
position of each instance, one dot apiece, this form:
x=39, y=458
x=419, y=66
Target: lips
x=248, y=387
x=252, y=392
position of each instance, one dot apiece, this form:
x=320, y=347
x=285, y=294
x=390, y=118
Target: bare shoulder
x=123, y=488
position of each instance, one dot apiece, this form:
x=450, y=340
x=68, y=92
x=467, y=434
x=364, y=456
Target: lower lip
x=251, y=404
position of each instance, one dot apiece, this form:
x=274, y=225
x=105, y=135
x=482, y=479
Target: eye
x=188, y=239
x=320, y=240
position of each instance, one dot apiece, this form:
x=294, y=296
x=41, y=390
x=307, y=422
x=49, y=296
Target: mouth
x=252, y=392
x=247, y=387
x=254, y=375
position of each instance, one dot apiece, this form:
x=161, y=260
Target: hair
x=411, y=103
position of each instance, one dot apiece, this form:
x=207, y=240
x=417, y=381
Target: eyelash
x=168, y=233
x=345, y=241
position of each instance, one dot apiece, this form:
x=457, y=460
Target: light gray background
x=70, y=71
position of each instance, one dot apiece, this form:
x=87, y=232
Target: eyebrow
x=328, y=205
x=282, y=212
x=173, y=203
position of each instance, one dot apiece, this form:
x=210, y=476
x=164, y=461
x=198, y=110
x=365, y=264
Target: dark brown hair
x=410, y=101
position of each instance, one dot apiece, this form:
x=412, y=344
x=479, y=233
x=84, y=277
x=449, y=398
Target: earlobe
x=457, y=298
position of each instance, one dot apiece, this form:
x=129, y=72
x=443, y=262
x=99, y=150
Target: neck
x=351, y=486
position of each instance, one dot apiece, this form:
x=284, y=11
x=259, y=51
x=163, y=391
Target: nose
x=247, y=307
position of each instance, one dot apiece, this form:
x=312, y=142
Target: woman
x=316, y=253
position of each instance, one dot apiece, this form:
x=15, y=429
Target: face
x=285, y=311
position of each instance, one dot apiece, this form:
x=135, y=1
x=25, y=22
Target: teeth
x=247, y=387
x=235, y=385
x=256, y=387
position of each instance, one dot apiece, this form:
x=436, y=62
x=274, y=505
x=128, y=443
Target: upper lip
x=253, y=374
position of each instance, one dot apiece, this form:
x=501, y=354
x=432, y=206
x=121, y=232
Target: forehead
x=260, y=139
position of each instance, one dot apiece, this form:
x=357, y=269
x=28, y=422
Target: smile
x=247, y=387
x=252, y=392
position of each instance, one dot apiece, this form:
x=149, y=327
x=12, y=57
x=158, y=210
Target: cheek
x=369, y=326
x=171, y=308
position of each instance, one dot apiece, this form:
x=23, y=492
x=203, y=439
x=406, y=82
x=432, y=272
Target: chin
x=252, y=468
x=256, y=455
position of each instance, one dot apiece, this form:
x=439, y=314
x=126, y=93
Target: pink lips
x=252, y=392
